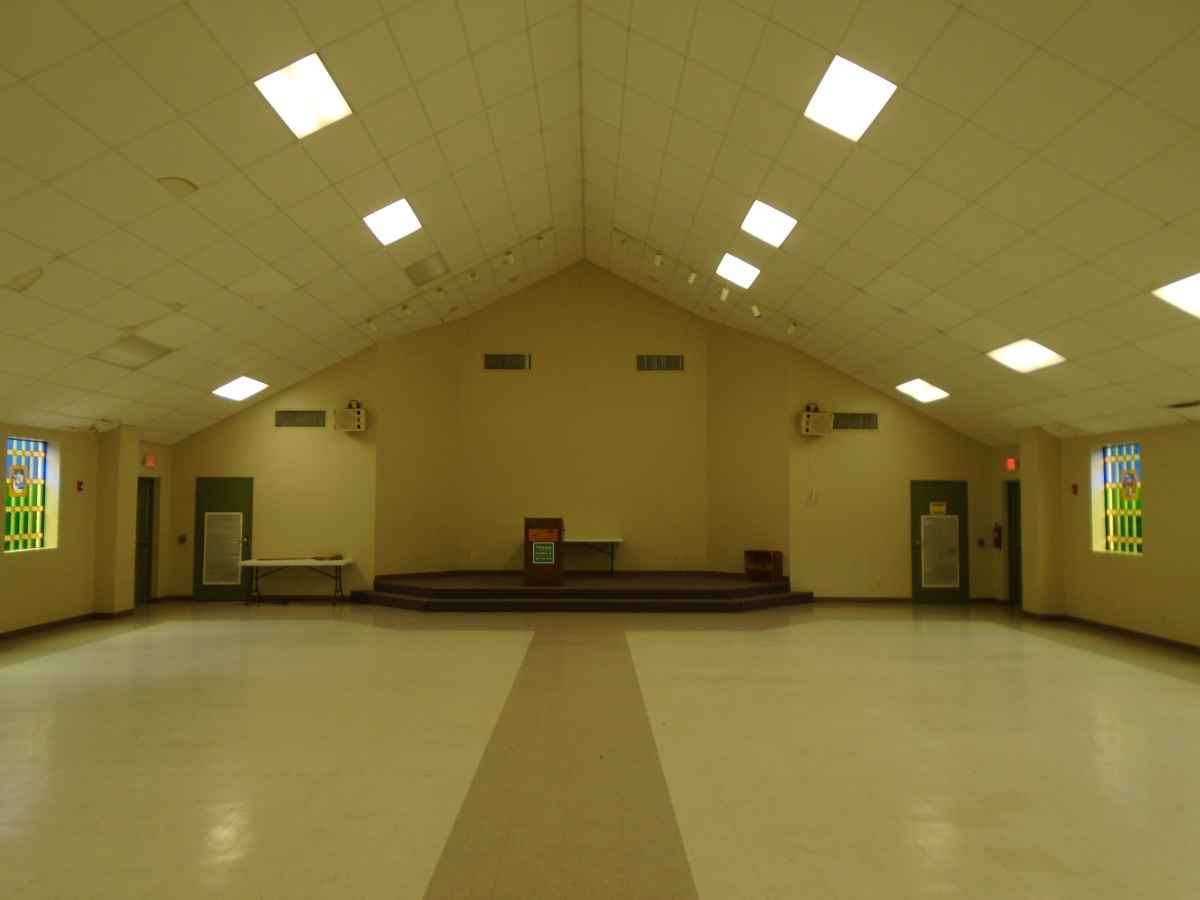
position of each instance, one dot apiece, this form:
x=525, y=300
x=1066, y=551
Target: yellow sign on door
x=937, y=508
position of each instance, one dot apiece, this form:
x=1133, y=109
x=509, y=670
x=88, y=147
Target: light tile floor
x=837, y=752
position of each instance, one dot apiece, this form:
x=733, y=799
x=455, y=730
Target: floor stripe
x=569, y=799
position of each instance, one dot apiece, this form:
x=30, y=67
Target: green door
x=143, y=577
x=224, y=517
x=939, y=542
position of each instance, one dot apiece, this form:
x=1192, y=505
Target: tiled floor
x=836, y=752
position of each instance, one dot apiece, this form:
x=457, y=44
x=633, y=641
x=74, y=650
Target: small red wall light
x=1011, y=464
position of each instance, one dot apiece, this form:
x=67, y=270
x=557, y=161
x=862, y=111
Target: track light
x=658, y=260
x=755, y=311
x=509, y=259
x=791, y=329
x=691, y=277
x=724, y=294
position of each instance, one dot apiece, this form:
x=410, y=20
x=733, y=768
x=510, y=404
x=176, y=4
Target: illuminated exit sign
x=1010, y=464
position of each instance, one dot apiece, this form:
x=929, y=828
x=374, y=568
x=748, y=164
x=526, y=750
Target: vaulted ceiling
x=1034, y=176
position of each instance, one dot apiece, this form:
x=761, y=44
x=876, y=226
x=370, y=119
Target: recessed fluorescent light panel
x=304, y=96
x=1183, y=294
x=768, y=224
x=922, y=391
x=394, y=221
x=1026, y=356
x=848, y=98
x=737, y=270
x=240, y=388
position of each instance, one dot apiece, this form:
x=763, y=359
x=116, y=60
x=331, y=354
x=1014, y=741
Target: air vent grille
x=511, y=362
x=856, y=421
x=299, y=418
x=650, y=362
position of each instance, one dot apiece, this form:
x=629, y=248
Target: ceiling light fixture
x=1026, y=356
x=848, y=98
x=1183, y=294
x=658, y=260
x=922, y=391
x=393, y=222
x=240, y=388
x=768, y=224
x=691, y=277
x=509, y=259
x=724, y=294
x=177, y=187
x=304, y=96
x=737, y=270
x=791, y=329
x=755, y=311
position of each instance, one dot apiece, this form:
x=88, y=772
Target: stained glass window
x=1123, y=498
x=24, y=494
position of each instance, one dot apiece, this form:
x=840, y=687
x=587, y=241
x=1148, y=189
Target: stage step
x=559, y=603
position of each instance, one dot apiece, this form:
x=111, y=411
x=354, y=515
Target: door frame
x=222, y=592
x=1015, y=550
x=956, y=491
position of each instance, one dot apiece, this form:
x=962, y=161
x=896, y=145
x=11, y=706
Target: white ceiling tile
x=326, y=22
x=977, y=234
x=982, y=334
x=741, y=167
x=1030, y=262
x=450, y=95
x=1034, y=20
x=178, y=151
x=397, y=122
x=603, y=45
x=897, y=289
x=305, y=265
x=468, y=141
x=177, y=56
x=1113, y=138
x=100, y=91
x=121, y=257
x=343, y=149
x=51, y=220
x=1179, y=348
x=323, y=212
x=78, y=335
x=174, y=331
x=1169, y=84
x=32, y=360
x=1114, y=41
x=889, y=38
x=1034, y=194
x=225, y=261
x=419, y=166
x=968, y=62
x=43, y=34
x=940, y=312
x=1042, y=100
x=823, y=21
x=262, y=37
x=787, y=67
x=18, y=256
x=972, y=161
x=922, y=206
x=115, y=188
x=370, y=189
x=20, y=318
x=724, y=37
x=1098, y=224
x=1159, y=258
x=289, y=176
x=366, y=66
x=1166, y=185
x=430, y=36
x=1137, y=318
x=243, y=126
x=868, y=178
x=933, y=265
x=262, y=286
x=761, y=122
x=232, y=204
x=836, y=215
x=176, y=285
x=177, y=230
x=505, y=69
x=667, y=21
x=693, y=143
x=814, y=151
x=885, y=240
x=704, y=96
x=488, y=21
x=1076, y=339
x=654, y=70
x=87, y=374
x=559, y=98
x=555, y=43
x=39, y=138
x=910, y=129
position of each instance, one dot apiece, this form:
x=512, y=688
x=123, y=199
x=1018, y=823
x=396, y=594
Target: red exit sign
x=1010, y=464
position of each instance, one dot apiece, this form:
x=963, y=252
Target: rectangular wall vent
x=511, y=362
x=299, y=418
x=658, y=362
x=856, y=421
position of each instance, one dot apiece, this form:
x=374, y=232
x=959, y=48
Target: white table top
x=593, y=540
x=305, y=562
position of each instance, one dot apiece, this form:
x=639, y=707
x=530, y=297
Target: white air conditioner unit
x=816, y=424
x=350, y=419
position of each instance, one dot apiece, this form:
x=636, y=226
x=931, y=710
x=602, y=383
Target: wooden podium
x=543, y=551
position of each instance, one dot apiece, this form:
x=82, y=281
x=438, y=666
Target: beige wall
x=314, y=488
x=850, y=493
x=690, y=469
x=1156, y=593
x=48, y=585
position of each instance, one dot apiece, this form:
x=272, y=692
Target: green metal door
x=144, y=559
x=939, y=538
x=224, y=518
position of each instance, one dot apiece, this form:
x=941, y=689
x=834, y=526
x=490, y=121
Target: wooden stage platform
x=580, y=592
